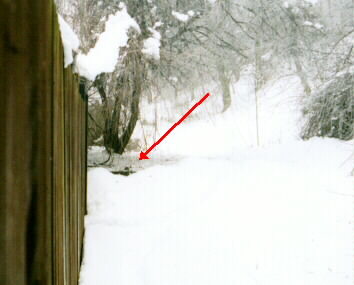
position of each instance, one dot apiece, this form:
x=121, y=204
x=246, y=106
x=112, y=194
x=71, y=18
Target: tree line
x=204, y=40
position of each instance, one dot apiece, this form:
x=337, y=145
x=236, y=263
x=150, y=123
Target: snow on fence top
x=70, y=41
x=104, y=56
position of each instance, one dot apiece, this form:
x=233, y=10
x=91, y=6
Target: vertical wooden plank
x=58, y=159
x=71, y=137
x=82, y=122
x=15, y=139
x=66, y=180
x=82, y=168
x=68, y=143
x=77, y=181
x=41, y=266
x=75, y=169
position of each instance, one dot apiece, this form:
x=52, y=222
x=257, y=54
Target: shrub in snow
x=330, y=111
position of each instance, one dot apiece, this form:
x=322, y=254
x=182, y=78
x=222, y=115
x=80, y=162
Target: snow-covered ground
x=227, y=211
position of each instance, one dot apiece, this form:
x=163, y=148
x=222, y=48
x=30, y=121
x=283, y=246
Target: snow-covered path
x=265, y=216
x=228, y=212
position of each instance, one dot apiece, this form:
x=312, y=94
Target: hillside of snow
x=226, y=211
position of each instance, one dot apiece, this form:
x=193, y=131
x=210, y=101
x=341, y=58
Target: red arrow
x=143, y=155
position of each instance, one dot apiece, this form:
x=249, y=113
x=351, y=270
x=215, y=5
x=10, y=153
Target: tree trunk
x=225, y=87
x=116, y=133
x=295, y=55
x=302, y=75
x=258, y=83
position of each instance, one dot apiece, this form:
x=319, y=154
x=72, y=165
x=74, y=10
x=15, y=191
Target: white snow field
x=228, y=212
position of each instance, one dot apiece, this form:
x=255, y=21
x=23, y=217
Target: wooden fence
x=42, y=150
